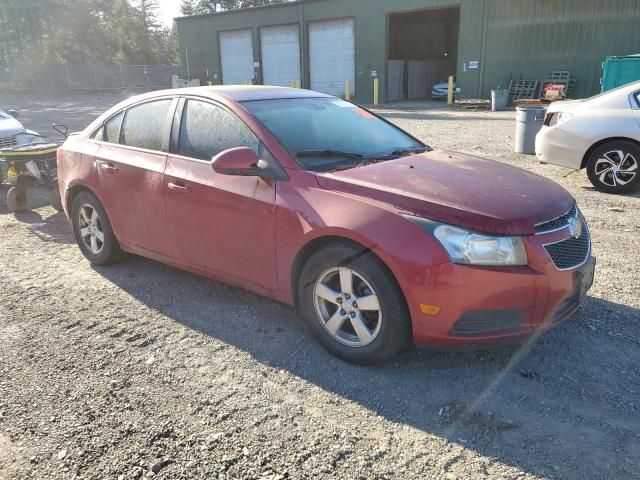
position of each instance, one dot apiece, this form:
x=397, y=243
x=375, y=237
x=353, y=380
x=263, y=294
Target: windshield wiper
x=329, y=153
x=408, y=151
x=359, y=160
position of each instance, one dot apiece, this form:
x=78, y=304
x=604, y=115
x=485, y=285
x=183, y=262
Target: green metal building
x=343, y=46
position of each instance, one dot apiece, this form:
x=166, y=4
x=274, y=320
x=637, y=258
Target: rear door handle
x=178, y=187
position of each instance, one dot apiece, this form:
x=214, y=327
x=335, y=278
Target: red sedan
x=379, y=240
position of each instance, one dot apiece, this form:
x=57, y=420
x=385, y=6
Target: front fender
x=307, y=214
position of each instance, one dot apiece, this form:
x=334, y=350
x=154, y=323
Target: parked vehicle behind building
x=440, y=90
x=379, y=240
x=601, y=134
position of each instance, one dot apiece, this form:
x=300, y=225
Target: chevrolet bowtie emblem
x=575, y=228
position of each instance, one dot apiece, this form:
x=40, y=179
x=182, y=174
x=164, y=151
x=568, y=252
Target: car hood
x=475, y=193
x=9, y=126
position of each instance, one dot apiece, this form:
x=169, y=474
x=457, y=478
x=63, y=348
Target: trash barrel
x=529, y=121
x=499, y=100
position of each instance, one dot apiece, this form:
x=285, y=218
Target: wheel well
x=320, y=243
x=73, y=191
x=307, y=251
x=588, y=153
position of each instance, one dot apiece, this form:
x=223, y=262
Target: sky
x=168, y=10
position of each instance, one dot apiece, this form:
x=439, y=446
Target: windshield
x=3, y=112
x=330, y=134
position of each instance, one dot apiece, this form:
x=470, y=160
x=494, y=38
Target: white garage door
x=280, y=54
x=236, y=55
x=332, y=55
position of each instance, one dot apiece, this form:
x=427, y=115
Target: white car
x=441, y=90
x=601, y=134
x=12, y=132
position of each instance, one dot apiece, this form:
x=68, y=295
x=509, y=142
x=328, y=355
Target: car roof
x=242, y=93
x=222, y=93
x=625, y=89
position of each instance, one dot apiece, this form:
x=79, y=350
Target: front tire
x=615, y=167
x=353, y=306
x=92, y=230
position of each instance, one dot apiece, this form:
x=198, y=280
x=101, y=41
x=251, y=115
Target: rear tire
x=92, y=230
x=331, y=284
x=16, y=199
x=615, y=167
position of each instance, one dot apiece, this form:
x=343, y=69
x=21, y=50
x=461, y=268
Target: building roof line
x=247, y=9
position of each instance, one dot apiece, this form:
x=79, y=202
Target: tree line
x=85, y=31
x=96, y=31
x=197, y=7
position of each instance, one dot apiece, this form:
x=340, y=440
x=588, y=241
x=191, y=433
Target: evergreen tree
x=96, y=31
x=84, y=31
x=187, y=7
x=149, y=15
x=212, y=6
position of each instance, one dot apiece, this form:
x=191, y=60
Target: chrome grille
x=8, y=142
x=557, y=223
x=570, y=253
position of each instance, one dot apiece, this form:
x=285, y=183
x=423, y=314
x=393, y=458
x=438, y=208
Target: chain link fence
x=67, y=76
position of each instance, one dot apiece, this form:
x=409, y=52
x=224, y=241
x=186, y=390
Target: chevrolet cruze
x=379, y=240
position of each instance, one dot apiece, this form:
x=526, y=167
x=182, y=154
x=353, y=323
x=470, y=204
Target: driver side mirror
x=13, y=113
x=242, y=161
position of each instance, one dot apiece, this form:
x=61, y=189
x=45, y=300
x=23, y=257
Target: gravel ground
x=139, y=370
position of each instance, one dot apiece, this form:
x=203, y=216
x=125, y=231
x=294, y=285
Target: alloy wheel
x=616, y=168
x=348, y=307
x=90, y=227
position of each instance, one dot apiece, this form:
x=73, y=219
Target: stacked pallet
x=559, y=77
x=519, y=89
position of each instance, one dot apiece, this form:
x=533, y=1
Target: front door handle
x=178, y=187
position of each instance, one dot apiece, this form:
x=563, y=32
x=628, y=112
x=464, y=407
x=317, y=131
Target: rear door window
x=144, y=125
x=112, y=129
x=98, y=134
x=206, y=130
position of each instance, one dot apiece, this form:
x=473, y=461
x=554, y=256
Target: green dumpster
x=618, y=71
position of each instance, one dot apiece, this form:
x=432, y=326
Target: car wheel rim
x=90, y=227
x=616, y=168
x=348, y=307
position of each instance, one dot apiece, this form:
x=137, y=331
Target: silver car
x=12, y=132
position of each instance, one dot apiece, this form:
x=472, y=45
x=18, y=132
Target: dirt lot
x=140, y=370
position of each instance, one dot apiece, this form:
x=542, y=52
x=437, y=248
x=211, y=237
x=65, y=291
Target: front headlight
x=466, y=247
